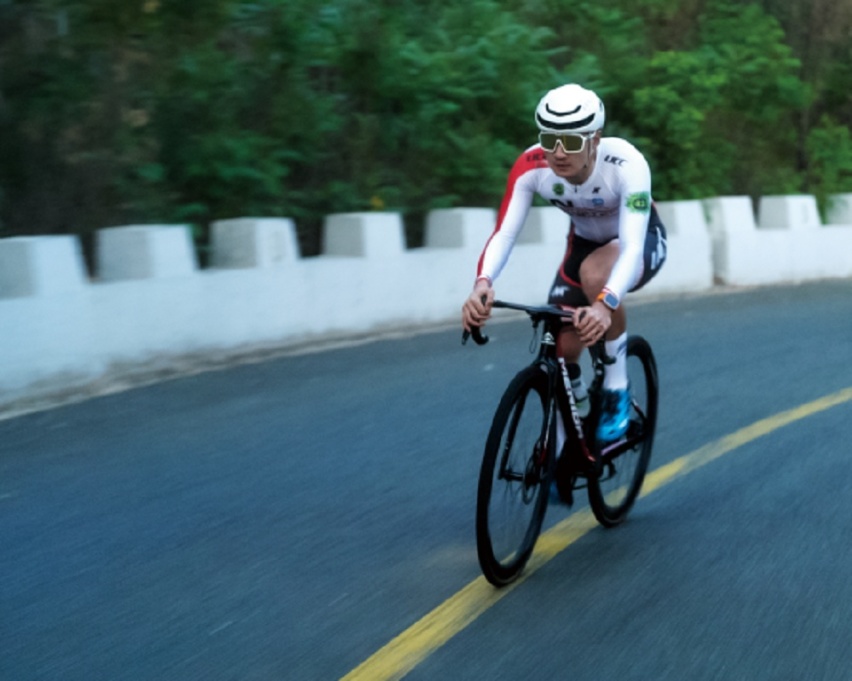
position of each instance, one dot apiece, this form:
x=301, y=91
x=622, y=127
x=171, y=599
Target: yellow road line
x=421, y=639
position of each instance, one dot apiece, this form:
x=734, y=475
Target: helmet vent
x=562, y=113
x=566, y=126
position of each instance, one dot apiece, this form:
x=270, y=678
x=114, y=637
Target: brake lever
x=478, y=337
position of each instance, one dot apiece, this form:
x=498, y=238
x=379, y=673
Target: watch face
x=610, y=300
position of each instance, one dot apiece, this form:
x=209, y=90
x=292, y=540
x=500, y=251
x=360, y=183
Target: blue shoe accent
x=615, y=415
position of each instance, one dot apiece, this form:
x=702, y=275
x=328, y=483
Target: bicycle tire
x=613, y=491
x=516, y=469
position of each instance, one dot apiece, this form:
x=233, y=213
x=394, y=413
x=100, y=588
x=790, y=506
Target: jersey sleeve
x=633, y=214
x=513, y=212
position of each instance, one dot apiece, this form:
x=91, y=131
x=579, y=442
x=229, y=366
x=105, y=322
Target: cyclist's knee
x=570, y=347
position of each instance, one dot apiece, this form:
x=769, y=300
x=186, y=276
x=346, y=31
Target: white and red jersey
x=614, y=202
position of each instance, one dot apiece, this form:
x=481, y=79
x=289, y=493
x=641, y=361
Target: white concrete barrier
x=794, y=213
x=840, y=210
x=41, y=266
x=149, y=303
x=460, y=228
x=253, y=242
x=364, y=235
x=45, y=317
x=145, y=252
x=786, y=244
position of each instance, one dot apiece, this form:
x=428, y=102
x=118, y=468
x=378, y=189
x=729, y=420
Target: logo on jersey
x=567, y=206
x=559, y=189
x=640, y=202
x=597, y=202
x=614, y=160
x=580, y=212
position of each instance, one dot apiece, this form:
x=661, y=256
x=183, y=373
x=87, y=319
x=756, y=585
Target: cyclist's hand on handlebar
x=477, y=308
x=592, y=322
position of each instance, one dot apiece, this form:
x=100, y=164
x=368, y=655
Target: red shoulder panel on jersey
x=531, y=159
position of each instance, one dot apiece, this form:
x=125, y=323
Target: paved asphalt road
x=287, y=519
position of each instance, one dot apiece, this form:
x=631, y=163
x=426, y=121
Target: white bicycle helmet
x=570, y=108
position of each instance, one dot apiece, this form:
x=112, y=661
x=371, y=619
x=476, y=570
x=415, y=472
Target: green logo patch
x=559, y=189
x=640, y=202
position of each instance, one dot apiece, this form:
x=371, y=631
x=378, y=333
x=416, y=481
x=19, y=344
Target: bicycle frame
x=508, y=522
x=578, y=431
x=580, y=438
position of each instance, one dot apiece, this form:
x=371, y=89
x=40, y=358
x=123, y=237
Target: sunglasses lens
x=571, y=143
x=548, y=141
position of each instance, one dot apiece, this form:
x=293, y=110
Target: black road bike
x=520, y=460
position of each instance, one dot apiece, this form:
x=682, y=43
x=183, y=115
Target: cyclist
x=616, y=242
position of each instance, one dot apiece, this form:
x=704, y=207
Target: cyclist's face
x=574, y=167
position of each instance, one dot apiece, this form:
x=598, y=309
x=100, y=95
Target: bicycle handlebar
x=536, y=312
x=539, y=312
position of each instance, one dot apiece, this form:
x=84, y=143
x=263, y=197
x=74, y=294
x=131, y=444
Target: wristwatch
x=609, y=299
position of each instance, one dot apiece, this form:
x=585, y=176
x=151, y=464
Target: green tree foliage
x=724, y=107
x=152, y=110
x=829, y=148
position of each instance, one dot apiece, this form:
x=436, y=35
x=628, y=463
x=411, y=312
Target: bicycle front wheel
x=513, y=479
x=623, y=464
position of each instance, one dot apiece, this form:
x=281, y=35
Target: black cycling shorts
x=567, y=289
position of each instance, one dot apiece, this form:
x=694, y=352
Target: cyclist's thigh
x=567, y=288
x=597, y=267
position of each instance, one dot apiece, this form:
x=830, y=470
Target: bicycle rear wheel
x=513, y=478
x=623, y=464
